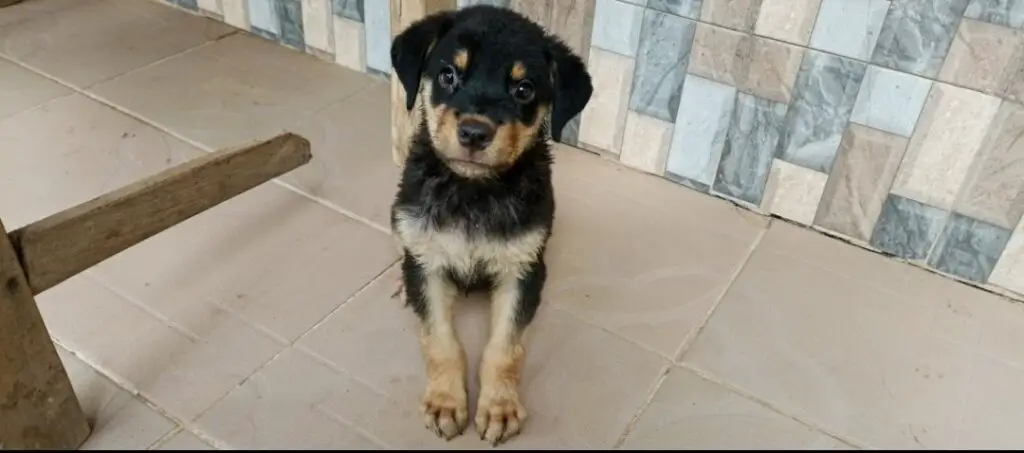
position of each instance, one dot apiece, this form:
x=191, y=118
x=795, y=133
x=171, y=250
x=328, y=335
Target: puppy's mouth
x=468, y=163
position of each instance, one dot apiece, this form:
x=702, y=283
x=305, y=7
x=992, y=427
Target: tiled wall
x=896, y=124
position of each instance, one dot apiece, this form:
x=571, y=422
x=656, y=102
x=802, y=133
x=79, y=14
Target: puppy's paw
x=445, y=409
x=499, y=415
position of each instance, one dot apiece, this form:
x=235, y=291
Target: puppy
x=475, y=204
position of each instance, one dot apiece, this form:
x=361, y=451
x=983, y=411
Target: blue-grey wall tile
x=349, y=9
x=751, y=141
x=916, y=35
x=705, y=112
x=695, y=185
x=377, y=22
x=465, y=3
x=907, y=228
x=1008, y=13
x=665, y=43
x=685, y=8
x=849, y=28
x=890, y=100
x=969, y=248
x=289, y=13
x=187, y=4
x=571, y=132
x=263, y=18
x=824, y=96
x=617, y=26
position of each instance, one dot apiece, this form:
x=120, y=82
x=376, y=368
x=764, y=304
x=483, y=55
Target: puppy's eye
x=523, y=92
x=448, y=78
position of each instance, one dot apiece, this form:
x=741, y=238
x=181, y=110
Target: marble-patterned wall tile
x=968, y=248
x=236, y=13
x=756, y=65
x=350, y=9
x=747, y=157
x=984, y=56
x=951, y=129
x=994, y=188
x=187, y=4
x=349, y=44
x=787, y=20
x=1015, y=87
x=1008, y=13
x=289, y=13
x=823, y=99
x=617, y=26
x=916, y=35
x=318, y=24
x=735, y=14
x=263, y=18
x=537, y=10
x=687, y=8
x=665, y=43
x=501, y=3
x=890, y=100
x=645, y=143
x=793, y=192
x=377, y=21
x=849, y=28
x=705, y=113
x=573, y=22
x=907, y=228
x=604, y=117
x=1009, y=269
x=863, y=172
x=211, y=6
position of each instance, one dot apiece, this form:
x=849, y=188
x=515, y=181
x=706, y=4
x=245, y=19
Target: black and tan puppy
x=475, y=205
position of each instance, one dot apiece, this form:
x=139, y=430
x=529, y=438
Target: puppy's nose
x=475, y=134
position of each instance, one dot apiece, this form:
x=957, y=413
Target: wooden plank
x=64, y=244
x=38, y=407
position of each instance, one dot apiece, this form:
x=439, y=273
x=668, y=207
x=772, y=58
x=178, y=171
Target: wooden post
x=38, y=407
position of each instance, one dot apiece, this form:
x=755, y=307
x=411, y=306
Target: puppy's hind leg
x=514, y=301
x=432, y=296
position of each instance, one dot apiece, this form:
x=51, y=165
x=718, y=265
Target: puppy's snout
x=475, y=134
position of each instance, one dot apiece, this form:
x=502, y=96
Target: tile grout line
x=707, y=376
x=662, y=376
x=166, y=437
x=688, y=341
x=196, y=144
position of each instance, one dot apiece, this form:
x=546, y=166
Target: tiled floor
x=671, y=319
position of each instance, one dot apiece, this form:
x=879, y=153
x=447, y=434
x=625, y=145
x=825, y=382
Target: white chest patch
x=438, y=250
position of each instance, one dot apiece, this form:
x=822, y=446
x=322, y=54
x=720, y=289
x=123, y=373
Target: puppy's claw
x=445, y=414
x=499, y=419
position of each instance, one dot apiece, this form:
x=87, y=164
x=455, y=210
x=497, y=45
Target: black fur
x=519, y=197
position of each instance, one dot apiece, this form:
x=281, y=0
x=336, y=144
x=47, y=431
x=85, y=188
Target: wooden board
x=64, y=244
x=38, y=407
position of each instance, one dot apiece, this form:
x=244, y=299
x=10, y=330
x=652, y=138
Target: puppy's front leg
x=432, y=296
x=514, y=301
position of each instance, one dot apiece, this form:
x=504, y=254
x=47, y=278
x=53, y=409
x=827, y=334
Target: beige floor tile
x=878, y=354
x=232, y=91
x=181, y=373
x=99, y=39
x=73, y=149
x=271, y=256
x=571, y=370
x=21, y=89
x=352, y=165
x=29, y=10
x=280, y=407
x=653, y=288
x=184, y=440
x=119, y=421
x=689, y=412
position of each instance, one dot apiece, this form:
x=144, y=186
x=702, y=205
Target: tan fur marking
x=513, y=139
x=499, y=412
x=462, y=59
x=445, y=407
x=518, y=71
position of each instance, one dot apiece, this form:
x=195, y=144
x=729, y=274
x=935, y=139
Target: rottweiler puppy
x=475, y=204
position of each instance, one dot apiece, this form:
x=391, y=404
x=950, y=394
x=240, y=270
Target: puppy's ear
x=572, y=87
x=409, y=51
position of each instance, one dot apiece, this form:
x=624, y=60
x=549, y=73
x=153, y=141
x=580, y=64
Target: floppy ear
x=409, y=51
x=572, y=87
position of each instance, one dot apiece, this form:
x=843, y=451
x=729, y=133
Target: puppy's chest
x=460, y=250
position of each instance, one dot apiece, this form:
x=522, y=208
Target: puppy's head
x=488, y=78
